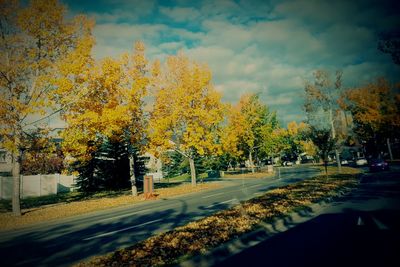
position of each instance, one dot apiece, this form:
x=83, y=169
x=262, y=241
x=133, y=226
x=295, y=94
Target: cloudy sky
x=267, y=47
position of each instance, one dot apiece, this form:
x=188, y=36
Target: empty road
x=67, y=241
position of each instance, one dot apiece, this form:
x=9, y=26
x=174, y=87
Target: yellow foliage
x=111, y=105
x=39, y=46
x=187, y=111
x=374, y=105
x=248, y=126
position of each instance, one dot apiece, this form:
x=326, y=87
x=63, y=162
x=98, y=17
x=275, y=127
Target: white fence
x=157, y=176
x=37, y=185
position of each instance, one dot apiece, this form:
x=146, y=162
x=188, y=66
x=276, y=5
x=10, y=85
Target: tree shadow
x=349, y=237
x=327, y=240
x=63, y=245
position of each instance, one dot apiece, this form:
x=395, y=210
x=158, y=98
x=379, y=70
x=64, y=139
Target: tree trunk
x=326, y=168
x=339, y=164
x=132, y=175
x=389, y=149
x=251, y=162
x=192, y=171
x=334, y=136
x=16, y=205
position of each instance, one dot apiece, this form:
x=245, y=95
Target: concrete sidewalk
x=360, y=229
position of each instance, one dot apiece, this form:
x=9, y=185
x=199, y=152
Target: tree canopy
x=187, y=111
x=37, y=42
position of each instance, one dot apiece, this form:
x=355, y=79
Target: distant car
x=378, y=165
x=344, y=162
x=288, y=163
x=361, y=162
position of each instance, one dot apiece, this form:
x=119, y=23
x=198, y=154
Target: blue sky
x=267, y=47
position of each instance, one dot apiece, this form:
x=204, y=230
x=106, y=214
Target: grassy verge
x=263, y=174
x=185, y=178
x=334, y=170
x=199, y=236
x=77, y=204
x=62, y=198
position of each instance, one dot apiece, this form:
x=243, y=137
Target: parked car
x=287, y=163
x=378, y=165
x=361, y=162
x=344, y=162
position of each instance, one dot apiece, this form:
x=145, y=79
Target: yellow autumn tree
x=250, y=124
x=35, y=38
x=111, y=109
x=375, y=110
x=233, y=131
x=187, y=111
x=298, y=134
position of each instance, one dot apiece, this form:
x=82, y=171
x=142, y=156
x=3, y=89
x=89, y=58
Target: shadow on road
x=61, y=246
x=363, y=229
x=330, y=240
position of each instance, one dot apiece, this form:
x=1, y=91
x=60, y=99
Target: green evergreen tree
x=108, y=168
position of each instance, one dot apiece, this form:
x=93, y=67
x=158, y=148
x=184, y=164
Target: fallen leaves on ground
x=63, y=210
x=263, y=174
x=198, y=236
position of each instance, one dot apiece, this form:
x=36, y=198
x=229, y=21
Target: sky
x=266, y=47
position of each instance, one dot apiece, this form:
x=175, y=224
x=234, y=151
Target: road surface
x=361, y=229
x=67, y=241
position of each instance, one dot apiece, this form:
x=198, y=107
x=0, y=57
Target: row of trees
x=116, y=108
x=367, y=115
x=46, y=68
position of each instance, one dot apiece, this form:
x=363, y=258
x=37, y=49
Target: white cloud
x=233, y=89
x=227, y=34
x=112, y=39
x=172, y=45
x=359, y=74
x=317, y=13
x=278, y=100
x=272, y=57
x=219, y=9
x=180, y=14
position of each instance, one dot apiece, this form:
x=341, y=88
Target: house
x=153, y=165
x=5, y=162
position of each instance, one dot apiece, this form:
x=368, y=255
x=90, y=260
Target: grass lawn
x=199, y=236
x=62, y=198
x=262, y=174
x=40, y=209
x=34, y=202
x=183, y=178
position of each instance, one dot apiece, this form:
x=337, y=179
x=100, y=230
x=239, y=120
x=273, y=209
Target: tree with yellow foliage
x=283, y=142
x=36, y=40
x=375, y=108
x=250, y=124
x=112, y=108
x=41, y=153
x=187, y=111
x=232, y=133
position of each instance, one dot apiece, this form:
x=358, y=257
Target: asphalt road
x=361, y=229
x=67, y=241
